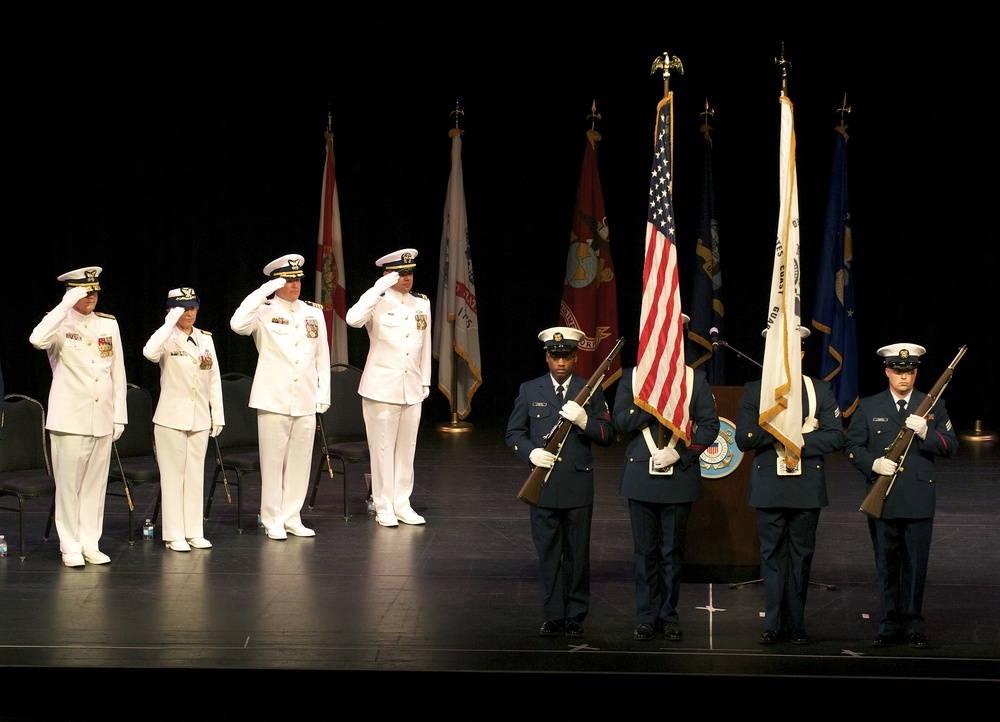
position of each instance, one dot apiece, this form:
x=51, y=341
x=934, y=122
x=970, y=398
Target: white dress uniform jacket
x=87, y=397
x=399, y=355
x=190, y=382
x=293, y=364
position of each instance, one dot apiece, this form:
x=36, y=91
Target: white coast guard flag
x=456, y=335
x=781, y=382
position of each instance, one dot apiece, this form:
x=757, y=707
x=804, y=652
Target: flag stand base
x=978, y=434
x=456, y=426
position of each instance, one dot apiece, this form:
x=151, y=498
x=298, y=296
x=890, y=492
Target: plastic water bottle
x=147, y=530
x=3, y=546
x=260, y=522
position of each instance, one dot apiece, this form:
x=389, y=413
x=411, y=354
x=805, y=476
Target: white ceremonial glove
x=810, y=425
x=71, y=297
x=119, y=430
x=322, y=408
x=386, y=282
x=572, y=411
x=216, y=430
x=665, y=458
x=173, y=316
x=918, y=424
x=427, y=392
x=542, y=458
x=269, y=287
x=884, y=467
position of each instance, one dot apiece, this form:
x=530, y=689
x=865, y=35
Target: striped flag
x=661, y=375
x=833, y=313
x=781, y=381
x=331, y=292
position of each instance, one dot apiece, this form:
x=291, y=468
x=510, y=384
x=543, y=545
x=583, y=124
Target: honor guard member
x=901, y=537
x=395, y=381
x=290, y=386
x=788, y=502
x=86, y=411
x=560, y=523
x=188, y=413
x=660, y=485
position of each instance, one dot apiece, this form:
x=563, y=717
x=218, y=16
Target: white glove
x=322, y=408
x=117, y=434
x=918, y=424
x=216, y=430
x=884, y=467
x=269, y=287
x=572, y=411
x=427, y=391
x=810, y=425
x=665, y=457
x=71, y=297
x=386, y=282
x=542, y=458
x=173, y=316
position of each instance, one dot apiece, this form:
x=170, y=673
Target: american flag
x=661, y=378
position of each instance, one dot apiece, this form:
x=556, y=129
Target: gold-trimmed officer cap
x=288, y=266
x=185, y=297
x=804, y=332
x=400, y=261
x=83, y=278
x=902, y=356
x=561, y=340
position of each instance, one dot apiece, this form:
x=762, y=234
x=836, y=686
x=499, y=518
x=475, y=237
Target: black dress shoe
x=917, y=640
x=644, y=632
x=883, y=640
x=573, y=628
x=672, y=632
x=769, y=636
x=550, y=629
x=798, y=636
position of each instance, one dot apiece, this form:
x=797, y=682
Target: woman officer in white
x=188, y=412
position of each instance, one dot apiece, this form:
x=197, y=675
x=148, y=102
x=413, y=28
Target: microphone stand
x=739, y=585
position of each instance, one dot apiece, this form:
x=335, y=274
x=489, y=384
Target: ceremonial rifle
x=897, y=450
x=556, y=437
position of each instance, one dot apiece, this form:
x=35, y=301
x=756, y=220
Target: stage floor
x=456, y=602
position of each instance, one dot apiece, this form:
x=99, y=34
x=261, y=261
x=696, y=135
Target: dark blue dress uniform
x=560, y=523
x=901, y=538
x=788, y=506
x=659, y=505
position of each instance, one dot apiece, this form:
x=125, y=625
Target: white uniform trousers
x=392, y=442
x=181, y=458
x=80, y=466
x=286, y=452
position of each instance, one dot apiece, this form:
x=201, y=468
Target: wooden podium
x=721, y=543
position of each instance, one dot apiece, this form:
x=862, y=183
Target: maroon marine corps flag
x=590, y=299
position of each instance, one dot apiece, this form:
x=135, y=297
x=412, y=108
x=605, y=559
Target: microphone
x=714, y=335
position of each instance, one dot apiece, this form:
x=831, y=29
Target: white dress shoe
x=386, y=520
x=299, y=530
x=410, y=517
x=179, y=545
x=276, y=533
x=95, y=556
x=73, y=560
x=200, y=543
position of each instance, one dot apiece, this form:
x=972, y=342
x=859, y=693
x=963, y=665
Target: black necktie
x=902, y=410
x=559, y=395
x=191, y=339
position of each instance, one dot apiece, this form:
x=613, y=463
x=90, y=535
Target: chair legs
x=221, y=470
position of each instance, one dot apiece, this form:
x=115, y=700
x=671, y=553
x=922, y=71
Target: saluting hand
x=386, y=282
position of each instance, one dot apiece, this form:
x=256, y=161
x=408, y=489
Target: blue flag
x=706, y=309
x=833, y=313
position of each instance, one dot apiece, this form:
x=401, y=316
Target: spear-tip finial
x=784, y=64
x=592, y=135
x=457, y=112
x=706, y=129
x=844, y=111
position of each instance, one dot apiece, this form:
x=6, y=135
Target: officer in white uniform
x=396, y=380
x=86, y=411
x=188, y=413
x=291, y=385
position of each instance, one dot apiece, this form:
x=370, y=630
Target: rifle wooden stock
x=532, y=489
x=896, y=451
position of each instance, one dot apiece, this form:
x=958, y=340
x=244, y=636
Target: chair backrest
x=344, y=420
x=23, y=446
x=241, y=420
x=137, y=439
